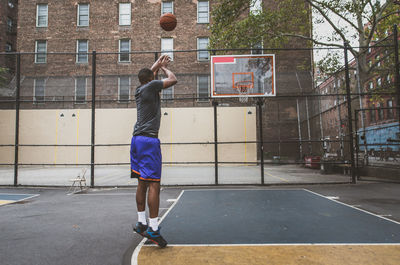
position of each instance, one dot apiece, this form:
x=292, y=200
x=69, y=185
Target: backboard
x=231, y=74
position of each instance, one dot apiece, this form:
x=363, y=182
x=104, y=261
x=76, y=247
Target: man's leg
x=141, y=196
x=153, y=199
x=141, y=190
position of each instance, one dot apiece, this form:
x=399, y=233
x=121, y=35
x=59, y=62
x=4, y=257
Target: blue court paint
x=271, y=217
x=12, y=198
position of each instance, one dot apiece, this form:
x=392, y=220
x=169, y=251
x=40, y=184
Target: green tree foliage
x=353, y=21
x=235, y=26
x=3, y=76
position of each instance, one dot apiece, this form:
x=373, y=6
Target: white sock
x=154, y=223
x=142, y=217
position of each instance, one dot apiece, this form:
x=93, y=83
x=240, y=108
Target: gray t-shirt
x=148, y=108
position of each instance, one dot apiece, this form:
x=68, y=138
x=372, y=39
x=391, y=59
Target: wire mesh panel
x=54, y=128
x=303, y=134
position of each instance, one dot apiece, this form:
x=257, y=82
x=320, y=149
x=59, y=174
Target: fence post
x=93, y=118
x=215, y=104
x=155, y=59
x=349, y=113
x=396, y=67
x=17, y=105
x=357, y=143
x=260, y=128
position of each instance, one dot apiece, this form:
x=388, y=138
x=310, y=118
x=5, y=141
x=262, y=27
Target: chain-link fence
x=64, y=111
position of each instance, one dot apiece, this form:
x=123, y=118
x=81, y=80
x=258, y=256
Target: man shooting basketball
x=145, y=147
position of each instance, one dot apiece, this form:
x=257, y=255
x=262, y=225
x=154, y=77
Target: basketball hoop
x=244, y=87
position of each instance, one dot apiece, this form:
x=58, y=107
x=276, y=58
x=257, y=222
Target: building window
x=10, y=4
x=167, y=7
x=388, y=79
x=42, y=15
x=379, y=82
x=39, y=87
x=257, y=48
x=40, y=50
x=124, y=49
x=82, y=48
x=373, y=115
x=125, y=14
x=203, y=90
x=390, y=110
x=202, y=12
x=380, y=112
x=80, y=90
x=256, y=7
x=167, y=46
x=202, y=44
x=124, y=84
x=371, y=85
x=83, y=15
x=8, y=47
x=378, y=60
x=10, y=25
x=167, y=93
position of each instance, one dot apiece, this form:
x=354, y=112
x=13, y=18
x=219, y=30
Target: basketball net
x=244, y=91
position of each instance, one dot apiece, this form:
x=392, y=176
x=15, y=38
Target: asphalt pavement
x=95, y=227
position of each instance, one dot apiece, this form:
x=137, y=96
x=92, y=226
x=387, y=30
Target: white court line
x=27, y=198
x=252, y=189
x=376, y=215
x=134, y=259
x=108, y=194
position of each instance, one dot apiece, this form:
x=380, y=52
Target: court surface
x=13, y=198
x=294, y=226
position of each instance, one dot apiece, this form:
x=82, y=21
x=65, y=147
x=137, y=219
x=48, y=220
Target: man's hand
x=162, y=61
x=165, y=61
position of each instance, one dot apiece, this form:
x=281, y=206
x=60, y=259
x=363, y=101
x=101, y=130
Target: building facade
x=57, y=39
x=8, y=32
x=378, y=122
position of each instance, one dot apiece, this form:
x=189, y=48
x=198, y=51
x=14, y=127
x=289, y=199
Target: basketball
x=168, y=22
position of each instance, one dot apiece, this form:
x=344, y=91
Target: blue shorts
x=146, y=158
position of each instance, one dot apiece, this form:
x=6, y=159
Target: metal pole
x=349, y=112
x=93, y=117
x=260, y=127
x=215, y=104
x=155, y=59
x=396, y=67
x=299, y=128
x=357, y=144
x=17, y=104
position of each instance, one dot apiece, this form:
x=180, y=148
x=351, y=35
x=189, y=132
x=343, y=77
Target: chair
x=81, y=180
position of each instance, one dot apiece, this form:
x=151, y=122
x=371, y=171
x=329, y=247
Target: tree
x=3, y=78
x=357, y=22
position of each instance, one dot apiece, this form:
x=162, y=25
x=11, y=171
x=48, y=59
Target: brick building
x=60, y=37
x=109, y=27
x=8, y=32
x=380, y=112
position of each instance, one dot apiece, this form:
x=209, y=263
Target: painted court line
x=275, y=176
x=376, y=215
x=134, y=259
x=6, y=202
